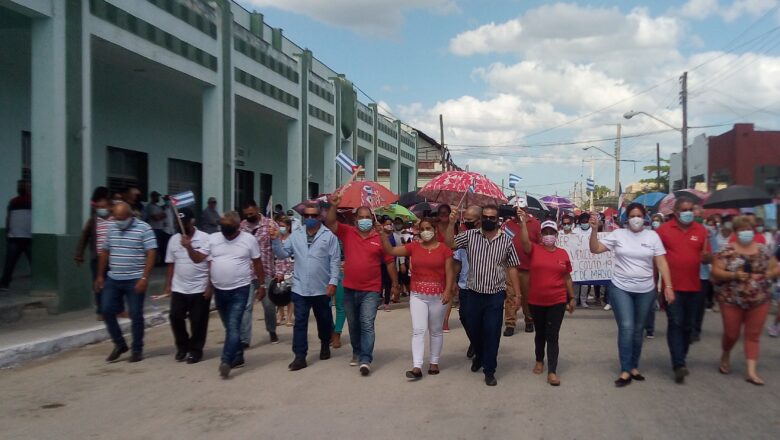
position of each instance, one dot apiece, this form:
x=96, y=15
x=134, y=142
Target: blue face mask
x=585, y=226
x=124, y=224
x=282, y=230
x=745, y=237
x=311, y=223
x=686, y=217
x=365, y=224
x=656, y=224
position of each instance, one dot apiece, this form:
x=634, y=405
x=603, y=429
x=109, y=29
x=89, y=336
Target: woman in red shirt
x=551, y=293
x=431, y=287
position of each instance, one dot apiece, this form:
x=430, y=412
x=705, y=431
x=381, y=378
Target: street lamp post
x=615, y=156
x=683, y=131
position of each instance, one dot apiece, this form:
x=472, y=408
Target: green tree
x=601, y=191
x=663, y=180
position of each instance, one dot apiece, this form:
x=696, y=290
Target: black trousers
x=15, y=248
x=547, y=321
x=195, y=307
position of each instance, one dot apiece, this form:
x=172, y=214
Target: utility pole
x=684, y=129
x=441, y=133
x=593, y=179
x=658, y=164
x=617, y=161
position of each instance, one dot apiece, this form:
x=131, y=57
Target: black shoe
x=470, y=352
x=490, y=380
x=136, y=356
x=194, y=358
x=679, y=374
x=244, y=345
x=529, y=327
x=638, y=377
x=620, y=382
x=180, y=355
x=416, y=375
x=224, y=370
x=509, y=331
x=274, y=338
x=365, y=369
x=116, y=353
x=695, y=338
x=238, y=363
x=297, y=364
x=476, y=365
x=324, y=351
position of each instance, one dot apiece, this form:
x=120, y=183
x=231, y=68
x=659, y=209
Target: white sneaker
x=773, y=330
x=365, y=369
x=353, y=362
x=607, y=307
x=584, y=306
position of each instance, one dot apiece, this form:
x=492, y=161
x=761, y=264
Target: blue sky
x=502, y=71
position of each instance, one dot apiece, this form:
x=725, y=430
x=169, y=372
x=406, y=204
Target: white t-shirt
x=188, y=277
x=634, y=252
x=231, y=260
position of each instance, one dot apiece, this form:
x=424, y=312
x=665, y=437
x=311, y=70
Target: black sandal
x=620, y=382
x=433, y=372
x=638, y=377
x=411, y=374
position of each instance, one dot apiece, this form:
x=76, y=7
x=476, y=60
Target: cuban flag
x=508, y=232
x=346, y=162
x=514, y=179
x=184, y=199
x=473, y=187
x=591, y=185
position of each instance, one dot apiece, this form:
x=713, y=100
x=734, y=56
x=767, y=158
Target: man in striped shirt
x=492, y=258
x=129, y=251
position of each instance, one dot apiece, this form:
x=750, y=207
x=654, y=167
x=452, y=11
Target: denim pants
x=682, y=315
x=269, y=313
x=338, y=302
x=631, y=309
x=360, y=308
x=707, y=290
x=114, y=295
x=320, y=304
x=230, y=305
x=484, y=317
x=650, y=322
x=15, y=247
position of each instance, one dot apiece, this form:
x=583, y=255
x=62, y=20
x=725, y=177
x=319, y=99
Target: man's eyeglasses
x=488, y=218
x=304, y=215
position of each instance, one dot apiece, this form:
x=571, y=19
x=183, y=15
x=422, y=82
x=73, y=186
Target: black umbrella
x=533, y=203
x=738, y=196
x=409, y=199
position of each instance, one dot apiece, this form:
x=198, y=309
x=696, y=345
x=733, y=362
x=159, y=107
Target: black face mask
x=228, y=231
x=251, y=218
x=489, y=225
x=470, y=225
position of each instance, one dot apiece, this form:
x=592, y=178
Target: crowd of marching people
x=493, y=262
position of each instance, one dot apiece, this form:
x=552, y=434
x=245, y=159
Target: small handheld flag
x=508, y=232
x=514, y=179
x=269, y=208
x=184, y=199
x=346, y=162
x=591, y=185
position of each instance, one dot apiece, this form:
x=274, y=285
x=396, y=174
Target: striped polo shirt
x=488, y=260
x=127, y=249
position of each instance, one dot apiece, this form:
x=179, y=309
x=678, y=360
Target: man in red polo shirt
x=363, y=260
x=687, y=247
x=510, y=305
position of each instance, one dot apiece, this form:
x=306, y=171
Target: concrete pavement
x=77, y=395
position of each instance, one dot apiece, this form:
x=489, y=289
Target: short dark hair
x=584, y=217
x=249, y=204
x=444, y=205
x=100, y=193
x=492, y=206
x=680, y=200
x=635, y=205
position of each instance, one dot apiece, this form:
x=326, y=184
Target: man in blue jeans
x=363, y=258
x=491, y=257
x=129, y=251
x=315, y=278
x=470, y=221
x=234, y=262
x=687, y=247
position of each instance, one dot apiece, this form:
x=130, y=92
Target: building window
x=184, y=175
x=127, y=168
x=26, y=156
x=314, y=190
x=245, y=187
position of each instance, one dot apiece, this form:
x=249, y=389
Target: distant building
x=432, y=159
x=698, y=153
x=744, y=156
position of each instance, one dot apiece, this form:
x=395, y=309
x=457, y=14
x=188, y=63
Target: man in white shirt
x=234, y=261
x=187, y=285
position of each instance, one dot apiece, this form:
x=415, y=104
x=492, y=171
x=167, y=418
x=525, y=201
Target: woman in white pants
x=431, y=288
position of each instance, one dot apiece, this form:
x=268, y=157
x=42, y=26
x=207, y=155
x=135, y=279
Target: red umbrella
x=666, y=207
x=365, y=193
x=462, y=188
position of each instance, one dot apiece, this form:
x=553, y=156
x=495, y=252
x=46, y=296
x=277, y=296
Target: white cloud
x=703, y=9
x=366, y=17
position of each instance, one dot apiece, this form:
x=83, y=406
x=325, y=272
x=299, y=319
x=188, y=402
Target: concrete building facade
x=170, y=95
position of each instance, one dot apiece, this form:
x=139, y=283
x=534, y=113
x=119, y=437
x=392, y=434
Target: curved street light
x=683, y=131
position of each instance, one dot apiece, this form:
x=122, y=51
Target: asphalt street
x=77, y=395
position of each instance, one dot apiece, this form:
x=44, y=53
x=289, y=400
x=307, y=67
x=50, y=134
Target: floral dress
x=757, y=289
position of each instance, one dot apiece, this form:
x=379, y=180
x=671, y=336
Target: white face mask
x=636, y=223
x=427, y=235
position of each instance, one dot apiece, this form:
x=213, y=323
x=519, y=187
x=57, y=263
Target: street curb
x=16, y=354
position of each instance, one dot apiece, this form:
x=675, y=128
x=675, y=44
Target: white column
x=370, y=166
x=297, y=181
x=48, y=123
x=329, y=163
x=395, y=169
x=213, y=148
x=86, y=116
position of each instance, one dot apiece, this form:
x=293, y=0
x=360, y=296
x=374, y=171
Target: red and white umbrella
x=365, y=193
x=462, y=188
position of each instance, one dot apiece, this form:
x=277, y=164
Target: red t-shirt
x=363, y=259
x=534, y=234
x=683, y=253
x=428, y=275
x=547, y=276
